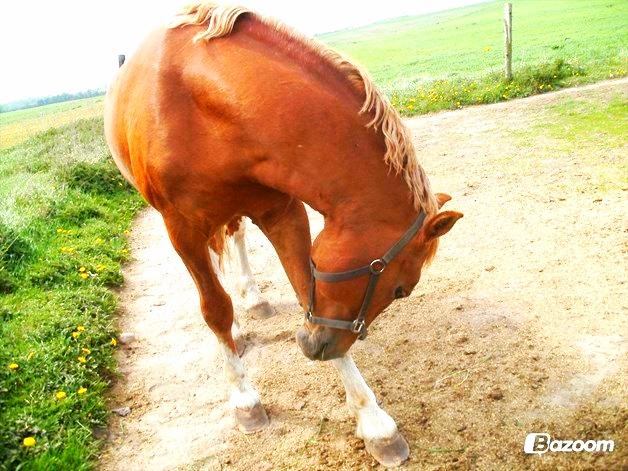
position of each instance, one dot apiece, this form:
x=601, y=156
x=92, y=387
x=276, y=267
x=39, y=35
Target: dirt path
x=520, y=325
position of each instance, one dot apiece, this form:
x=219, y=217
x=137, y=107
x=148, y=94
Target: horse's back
x=160, y=135
x=192, y=120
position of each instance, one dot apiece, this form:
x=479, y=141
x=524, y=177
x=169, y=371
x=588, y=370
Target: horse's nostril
x=400, y=292
x=322, y=353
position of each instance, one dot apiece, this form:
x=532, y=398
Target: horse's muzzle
x=320, y=344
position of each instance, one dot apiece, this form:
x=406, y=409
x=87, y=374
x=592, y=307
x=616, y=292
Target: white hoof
x=389, y=452
x=251, y=420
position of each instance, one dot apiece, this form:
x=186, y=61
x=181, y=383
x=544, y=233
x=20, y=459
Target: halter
x=375, y=269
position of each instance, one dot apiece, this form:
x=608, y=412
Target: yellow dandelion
x=86, y=351
x=60, y=395
x=82, y=269
x=127, y=232
x=13, y=366
x=84, y=275
x=80, y=328
x=29, y=441
x=75, y=335
x=82, y=359
x=81, y=390
x=113, y=342
x=98, y=241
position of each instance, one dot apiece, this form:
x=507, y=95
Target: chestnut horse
x=225, y=114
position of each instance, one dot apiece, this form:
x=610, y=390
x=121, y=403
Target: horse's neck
x=317, y=146
x=343, y=176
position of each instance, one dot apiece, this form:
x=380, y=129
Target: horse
x=225, y=114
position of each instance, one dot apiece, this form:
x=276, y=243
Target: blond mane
x=400, y=153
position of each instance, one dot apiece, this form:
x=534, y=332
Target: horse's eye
x=400, y=293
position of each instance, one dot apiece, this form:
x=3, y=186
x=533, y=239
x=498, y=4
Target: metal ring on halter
x=358, y=326
x=373, y=266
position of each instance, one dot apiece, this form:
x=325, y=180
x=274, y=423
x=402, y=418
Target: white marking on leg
x=245, y=284
x=215, y=259
x=236, y=332
x=243, y=395
x=373, y=422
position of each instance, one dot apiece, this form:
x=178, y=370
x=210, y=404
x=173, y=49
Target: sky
x=52, y=47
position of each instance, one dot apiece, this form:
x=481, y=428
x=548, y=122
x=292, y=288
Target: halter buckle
x=377, y=266
x=358, y=327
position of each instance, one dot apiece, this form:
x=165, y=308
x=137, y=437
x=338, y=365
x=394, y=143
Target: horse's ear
x=440, y=224
x=442, y=198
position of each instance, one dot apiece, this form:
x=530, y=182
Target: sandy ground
x=519, y=325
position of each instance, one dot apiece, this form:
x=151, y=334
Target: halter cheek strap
x=374, y=269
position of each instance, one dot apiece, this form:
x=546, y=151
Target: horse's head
x=342, y=292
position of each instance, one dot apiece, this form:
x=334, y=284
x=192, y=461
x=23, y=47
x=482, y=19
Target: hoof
x=252, y=420
x=389, y=452
x=262, y=310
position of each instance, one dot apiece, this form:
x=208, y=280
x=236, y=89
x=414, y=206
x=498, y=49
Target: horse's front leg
x=287, y=227
x=378, y=430
x=190, y=243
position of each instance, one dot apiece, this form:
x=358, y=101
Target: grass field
x=64, y=210
x=450, y=59
x=16, y=126
x=595, y=131
x=446, y=60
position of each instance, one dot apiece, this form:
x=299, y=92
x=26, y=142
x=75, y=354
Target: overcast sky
x=50, y=47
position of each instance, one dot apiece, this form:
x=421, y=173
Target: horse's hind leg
x=236, y=332
x=191, y=245
x=375, y=427
x=254, y=303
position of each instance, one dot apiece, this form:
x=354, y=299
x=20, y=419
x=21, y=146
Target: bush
x=450, y=94
x=7, y=282
x=13, y=248
x=98, y=178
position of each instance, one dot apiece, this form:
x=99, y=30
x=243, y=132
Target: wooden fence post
x=508, y=41
x=121, y=59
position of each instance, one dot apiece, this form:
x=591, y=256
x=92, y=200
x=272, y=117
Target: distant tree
x=33, y=102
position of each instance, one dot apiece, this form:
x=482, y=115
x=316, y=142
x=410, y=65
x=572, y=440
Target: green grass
x=16, y=126
x=592, y=131
x=582, y=122
x=450, y=59
x=64, y=210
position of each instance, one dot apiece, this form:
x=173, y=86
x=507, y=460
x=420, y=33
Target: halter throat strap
x=374, y=269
